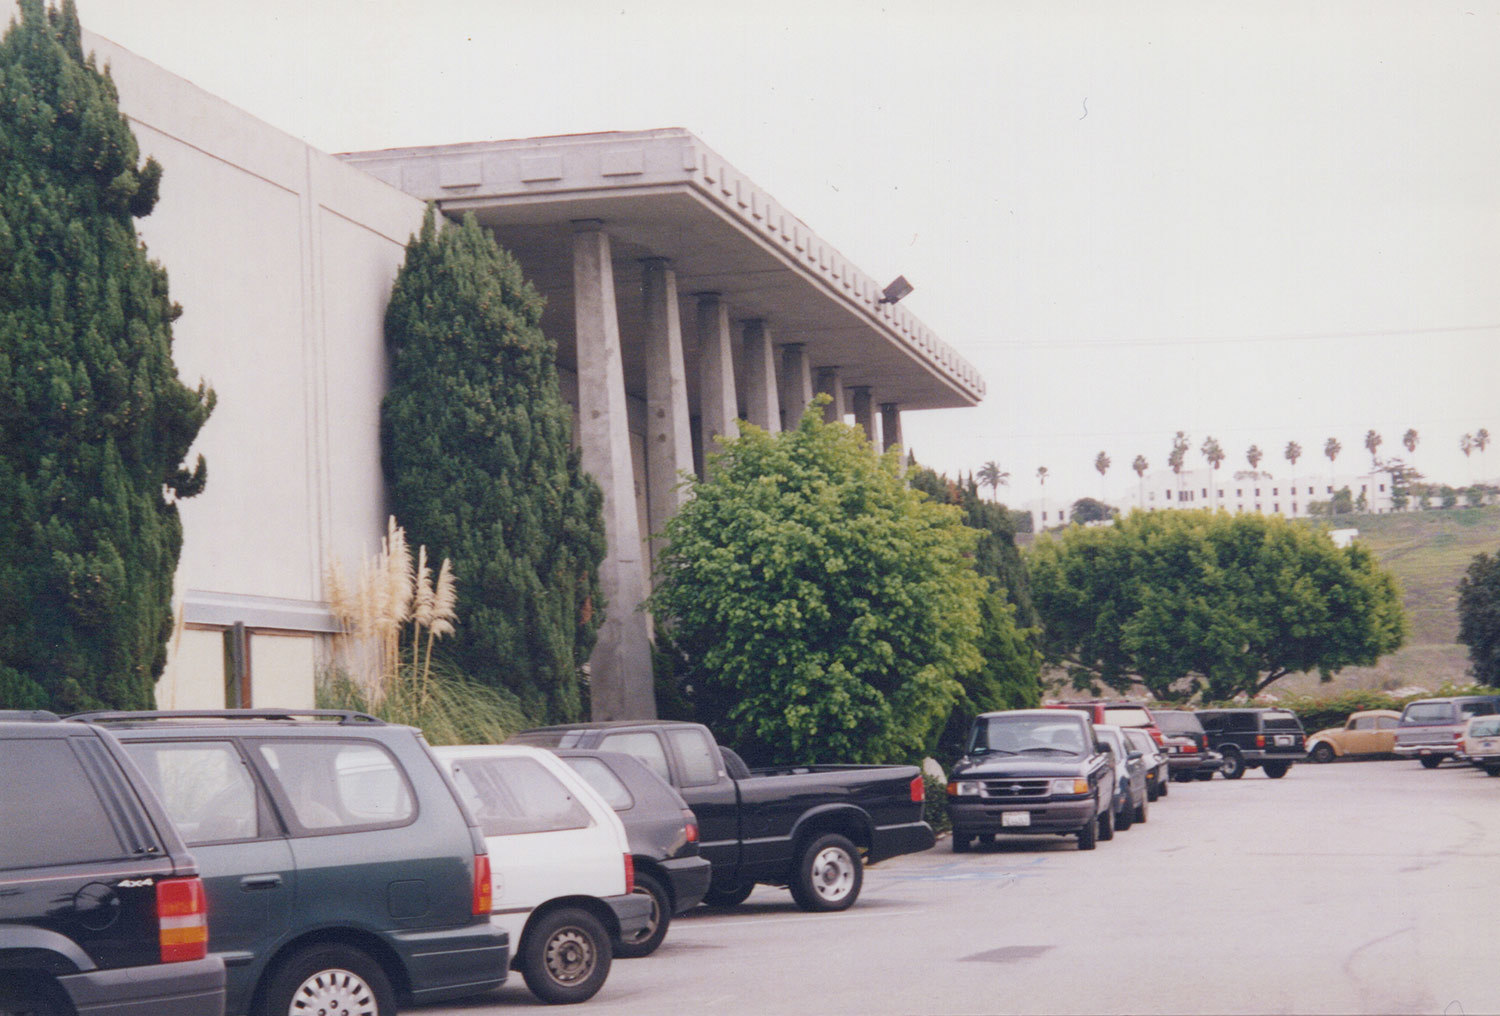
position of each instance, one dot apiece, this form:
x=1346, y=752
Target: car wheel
x=1162, y=787
x=1123, y=819
x=829, y=875
x=1492, y=770
x=986, y=839
x=1322, y=752
x=1106, y=823
x=1151, y=792
x=31, y=997
x=1205, y=776
x=646, y=940
x=328, y=978
x=565, y=956
x=1276, y=770
x=1088, y=836
x=1140, y=813
x=731, y=897
x=1233, y=767
x=1431, y=761
x=961, y=842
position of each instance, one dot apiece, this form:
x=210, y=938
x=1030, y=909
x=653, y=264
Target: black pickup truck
x=808, y=828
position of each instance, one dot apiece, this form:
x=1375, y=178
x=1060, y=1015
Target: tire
x=332, y=978
x=1162, y=788
x=1140, y=813
x=1205, y=776
x=1151, y=792
x=1106, y=823
x=1492, y=770
x=1431, y=761
x=1322, y=752
x=829, y=875
x=1126, y=816
x=961, y=842
x=732, y=897
x=1233, y=766
x=1088, y=836
x=986, y=839
x=565, y=956
x=32, y=997
x=1276, y=770
x=646, y=940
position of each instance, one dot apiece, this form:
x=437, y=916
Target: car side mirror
x=1133, y=756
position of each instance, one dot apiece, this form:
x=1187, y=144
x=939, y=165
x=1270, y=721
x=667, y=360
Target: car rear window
x=339, y=786
x=1476, y=708
x=1428, y=712
x=51, y=812
x=510, y=796
x=1485, y=728
x=1281, y=721
x=1178, y=723
x=1127, y=716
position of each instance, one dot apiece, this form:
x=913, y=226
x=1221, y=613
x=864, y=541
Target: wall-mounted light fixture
x=898, y=290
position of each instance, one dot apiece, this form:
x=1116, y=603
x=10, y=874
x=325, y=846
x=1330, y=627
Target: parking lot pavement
x=1362, y=887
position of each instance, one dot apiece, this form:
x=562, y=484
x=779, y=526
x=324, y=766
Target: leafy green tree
x=1479, y=617
x=94, y=423
x=1087, y=509
x=823, y=609
x=1403, y=482
x=1198, y=601
x=479, y=466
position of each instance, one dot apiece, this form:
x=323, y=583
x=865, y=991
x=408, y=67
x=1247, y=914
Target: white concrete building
x=681, y=297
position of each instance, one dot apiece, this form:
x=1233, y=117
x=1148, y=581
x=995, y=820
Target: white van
x=560, y=863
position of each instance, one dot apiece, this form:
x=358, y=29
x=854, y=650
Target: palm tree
x=1373, y=440
x=1140, y=465
x=1292, y=453
x=1102, y=463
x=1481, y=439
x=1466, y=445
x=1214, y=453
x=1041, y=477
x=1331, y=448
x=1410, y=439
x=1253, y=455
x=993, y=477
x=1178, y=458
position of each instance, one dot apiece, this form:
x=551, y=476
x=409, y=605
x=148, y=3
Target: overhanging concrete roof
x=664, y=193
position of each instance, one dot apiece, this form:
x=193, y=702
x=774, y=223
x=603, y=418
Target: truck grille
x=1013, y=789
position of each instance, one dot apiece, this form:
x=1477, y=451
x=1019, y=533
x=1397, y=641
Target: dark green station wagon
x=342, y=871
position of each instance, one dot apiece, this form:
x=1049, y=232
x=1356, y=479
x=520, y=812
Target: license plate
x=1282, y=740
x=1016, y=818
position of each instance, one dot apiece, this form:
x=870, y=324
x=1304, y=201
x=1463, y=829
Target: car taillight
x=918, y=790
x=182, y=916
x=484, y=890
x=629, y=874
x=690, y=826
x=1260, y=740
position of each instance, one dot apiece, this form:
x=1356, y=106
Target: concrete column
x=890, y=426
x=717, y=404
x=669, y=443
x=829, y=384
x=795, y=383
x=762, y=401
x=620, y=669
x=864, y=415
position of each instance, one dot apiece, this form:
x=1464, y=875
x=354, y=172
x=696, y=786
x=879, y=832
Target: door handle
x=253, y=882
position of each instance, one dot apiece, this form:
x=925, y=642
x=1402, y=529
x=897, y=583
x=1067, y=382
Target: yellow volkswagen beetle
x=1371, y=732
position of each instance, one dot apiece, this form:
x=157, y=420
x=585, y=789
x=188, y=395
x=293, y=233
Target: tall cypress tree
x=94, y=423
x=479, y=466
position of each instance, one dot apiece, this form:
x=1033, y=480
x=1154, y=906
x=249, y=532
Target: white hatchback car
x=560, y=863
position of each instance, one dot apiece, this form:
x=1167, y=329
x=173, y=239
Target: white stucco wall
x=282, y=258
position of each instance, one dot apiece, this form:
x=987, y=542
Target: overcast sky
x=1257, y=221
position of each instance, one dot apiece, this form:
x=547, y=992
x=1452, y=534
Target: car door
x=221, y=811
x=1385, y=734
x=1360, y=736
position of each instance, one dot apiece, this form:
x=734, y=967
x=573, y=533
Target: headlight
x=964, y=788
x=1058, y=788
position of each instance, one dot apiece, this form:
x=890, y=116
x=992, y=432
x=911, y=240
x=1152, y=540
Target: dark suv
x=101, y=907
x=1033, y=771
x=1269, y=739
x=343, y=872
x=1186, y=742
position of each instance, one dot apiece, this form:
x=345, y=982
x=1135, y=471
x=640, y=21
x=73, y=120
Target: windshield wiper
x=1060, y=751
x=995, y=751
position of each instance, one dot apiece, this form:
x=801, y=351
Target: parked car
x=339, y=863
x=809, y=828
x=1369, y=732
x=1153, y=758
x=1118, y=713
x=1481, y=743
x=1188, y=755
x=564, y=874
x=1268, y=739
x=663, y=835
x=1130, y=796
x=1431, y=729
x=102, y=909
x=1033, y=771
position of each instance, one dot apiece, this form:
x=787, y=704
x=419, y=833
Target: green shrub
x=446, y=706
x=935, y=808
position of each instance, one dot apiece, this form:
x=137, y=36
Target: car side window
x=1477, y=708
x=1364, y=723
x=52, y=812
x=338, y=786
x=517, y=795
x=644, y=745
x=204, y=786
x=1386, y=723
x=603, y=779
x=696, y=753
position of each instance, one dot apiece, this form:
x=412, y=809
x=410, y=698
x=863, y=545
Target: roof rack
x=343, y=716
x=28, y=716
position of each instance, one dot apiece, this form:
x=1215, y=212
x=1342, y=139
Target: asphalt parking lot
x=1366, y=887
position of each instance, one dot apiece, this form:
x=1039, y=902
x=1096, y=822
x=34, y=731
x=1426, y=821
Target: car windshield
x=1015, y=735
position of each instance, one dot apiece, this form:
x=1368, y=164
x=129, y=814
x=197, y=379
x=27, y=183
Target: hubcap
x=570, y=956
x=833, y=874
x=333, y=993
